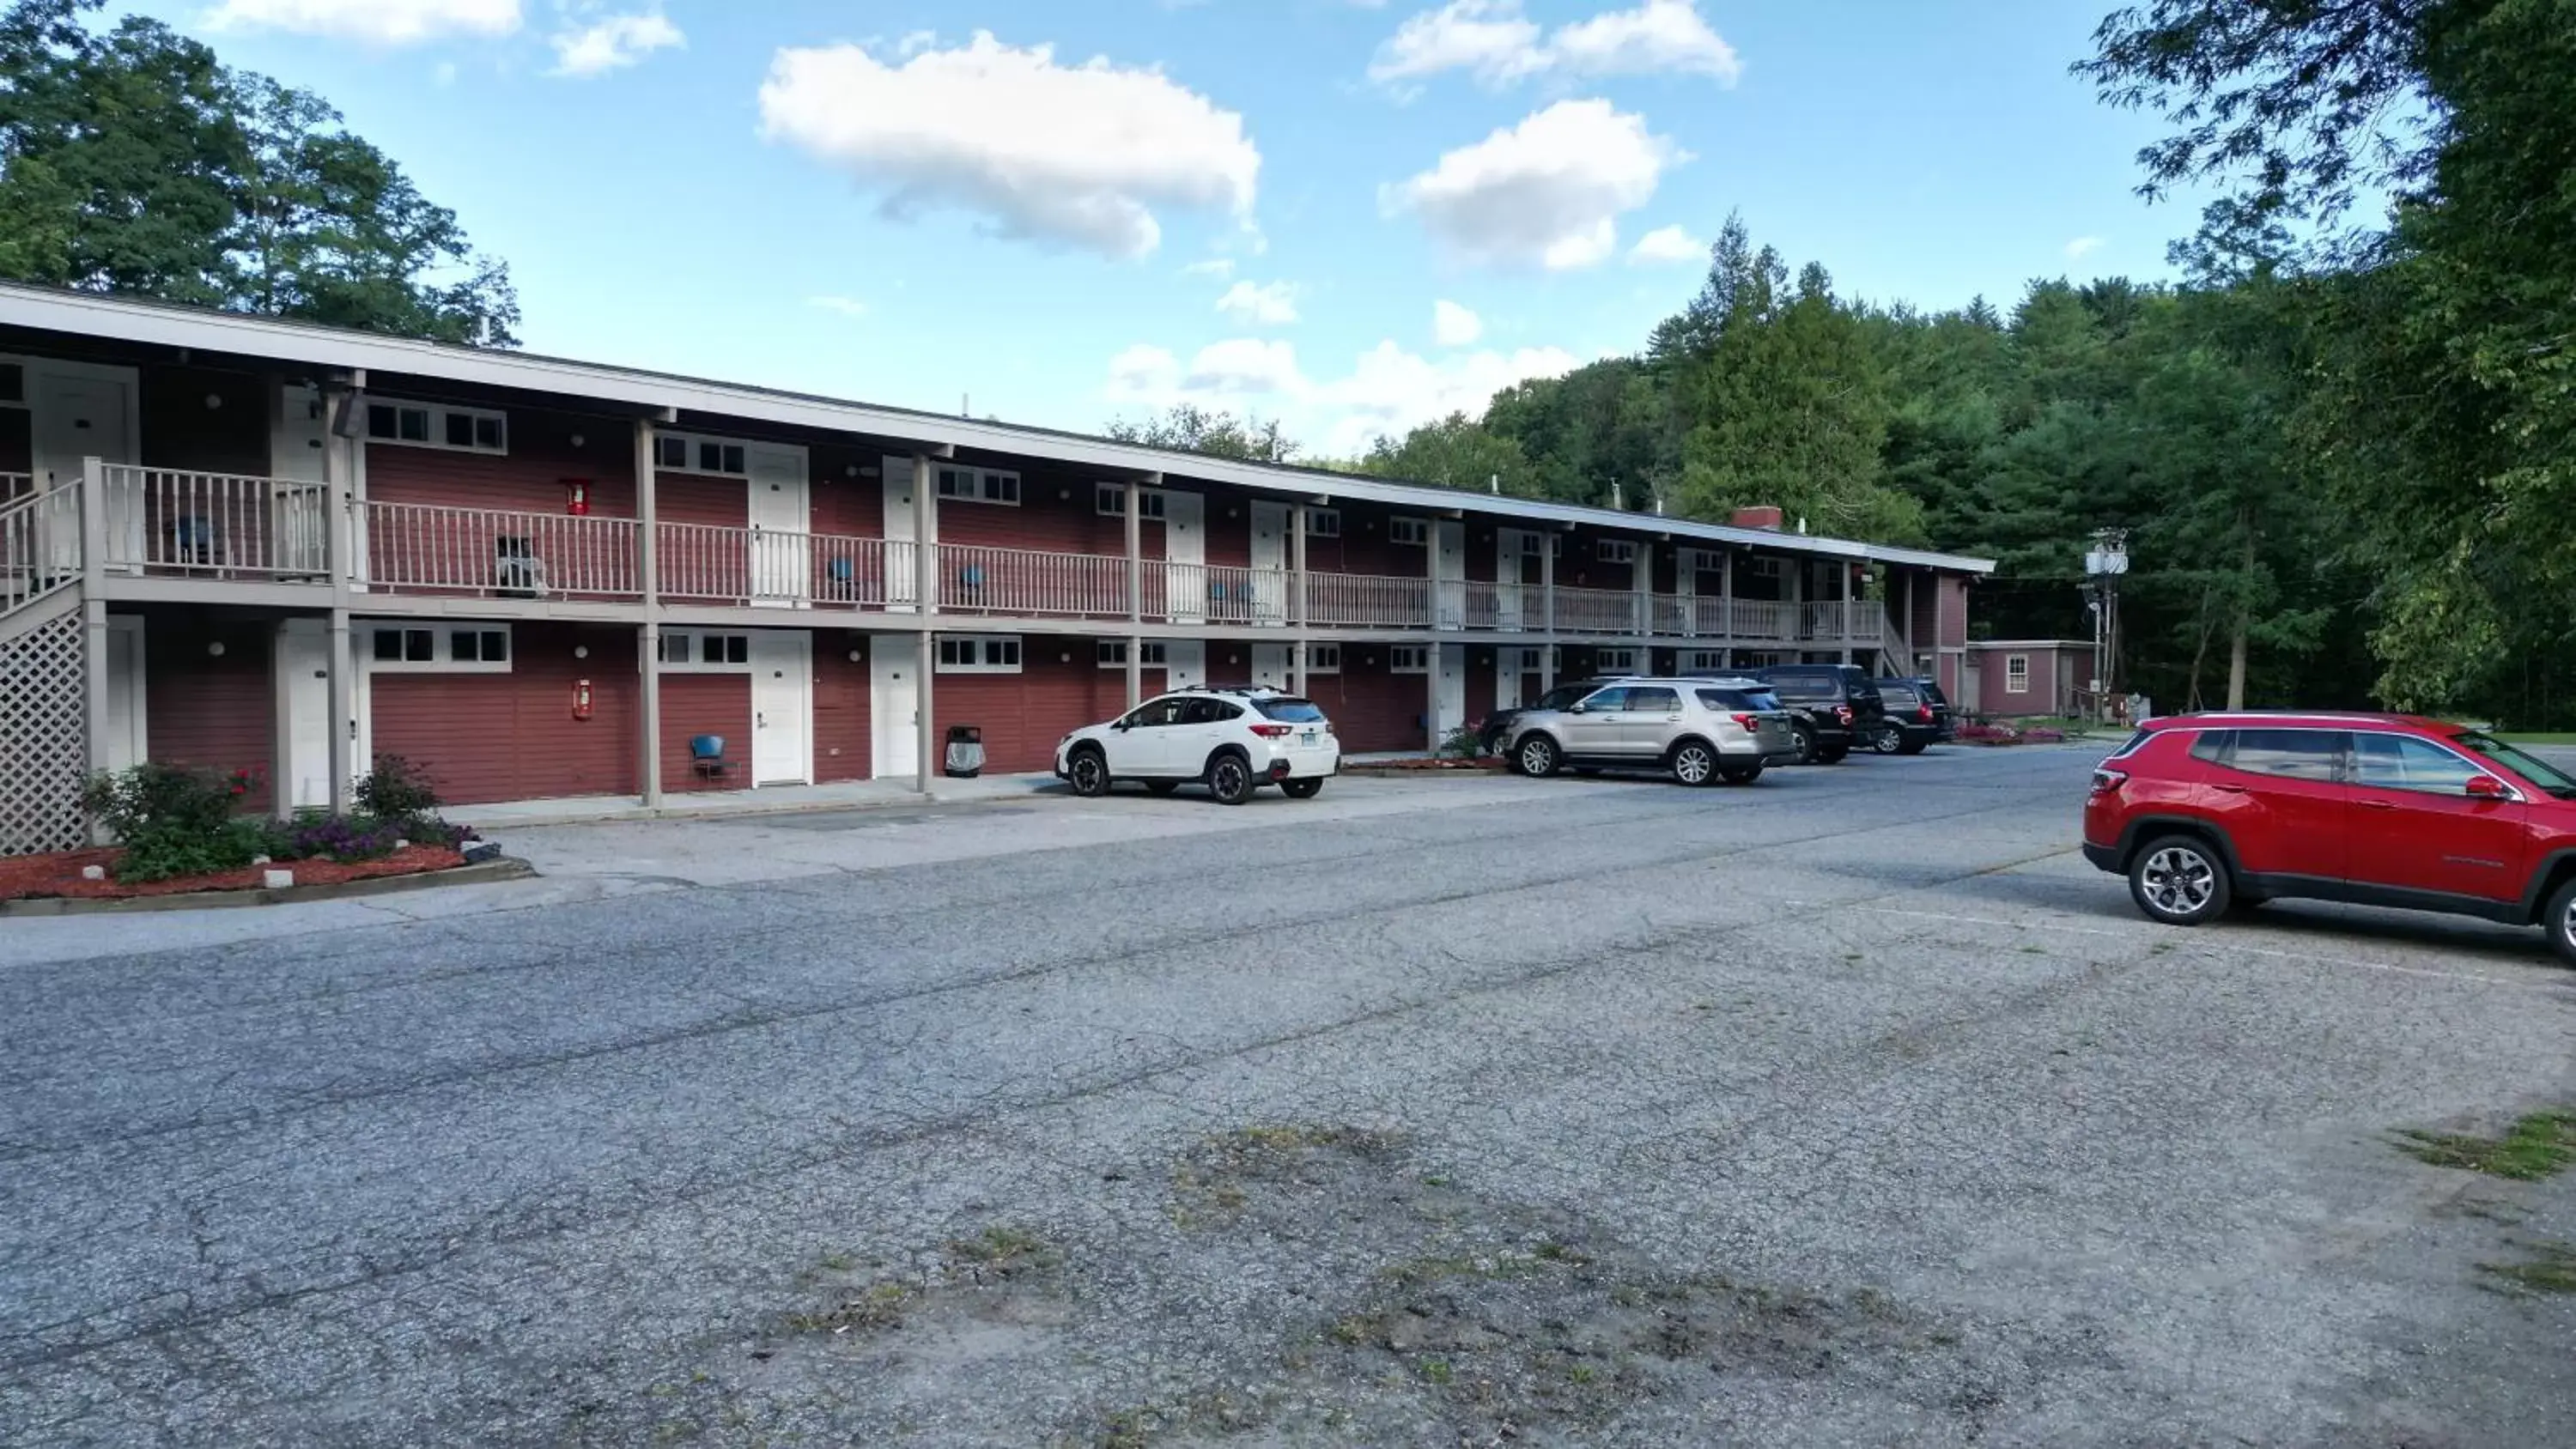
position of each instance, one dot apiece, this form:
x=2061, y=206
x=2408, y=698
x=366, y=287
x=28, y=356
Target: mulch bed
x=1423, y=764
x=35, y=877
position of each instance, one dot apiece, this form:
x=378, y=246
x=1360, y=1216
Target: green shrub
x=397, y=791
x=174, y=820
x=1465, y=742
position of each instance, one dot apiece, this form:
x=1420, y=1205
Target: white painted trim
x=442, y=634
x=695, y=664
x=137, y=732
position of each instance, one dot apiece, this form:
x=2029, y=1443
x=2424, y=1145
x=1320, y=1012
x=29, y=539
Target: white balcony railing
x=974, y=579
x=225, y=525
x=1765, y=619
x=39, y=541
x=1371, y=601
x=1238, y=595
x=500, y=553
x=1596, y=611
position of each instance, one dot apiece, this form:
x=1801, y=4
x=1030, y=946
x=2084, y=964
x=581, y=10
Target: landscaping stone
x=478, y=851
x=277, y=880
x=93, y=872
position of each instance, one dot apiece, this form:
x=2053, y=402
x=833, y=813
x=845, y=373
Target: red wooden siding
x=698, y=498
x=1023, y=715
x=851, y=507
x=843, y=747
x=705, y=704
x=1372, y=709
x=201, y=709
x=531, y=478
x=487, y=737
x=1481, y=674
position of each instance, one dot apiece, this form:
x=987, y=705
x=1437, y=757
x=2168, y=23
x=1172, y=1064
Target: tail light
x=1746, y=722
x=1272, y=731
x=1843, y=713
x=1923, y=713
x=2106, y=781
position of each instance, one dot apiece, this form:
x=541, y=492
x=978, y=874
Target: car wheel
x=2179, y=880
x=1832, y=754
x=2561, y=922
x=1088, y=771
x=1537, y=757
x=1162, y=787
x=1805, y=740
x=1229, y=779
x=1887, y=740
x=1694, y=763
x=1744, y=775
x=1301, y=789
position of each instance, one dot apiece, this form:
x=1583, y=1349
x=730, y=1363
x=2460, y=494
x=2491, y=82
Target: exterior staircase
x=44, y=674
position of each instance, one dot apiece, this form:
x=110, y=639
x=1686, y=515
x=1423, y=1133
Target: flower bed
x=1422, y=762
x=2004, y=734
x=42, y=877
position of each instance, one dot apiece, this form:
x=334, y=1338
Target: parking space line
x=2215, y=943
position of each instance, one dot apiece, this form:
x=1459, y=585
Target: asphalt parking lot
x=1848, y=1108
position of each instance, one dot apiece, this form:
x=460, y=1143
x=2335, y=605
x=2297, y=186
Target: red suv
x=2205, y=811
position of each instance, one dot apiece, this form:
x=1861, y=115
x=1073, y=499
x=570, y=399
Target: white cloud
x=377, y=22
x=1659, y=35
x=1217, y=267
x=1453, y=325
x=1244, y=367
x=1079, y=154
x=1667, y=244
x=1259, y=304
x=1493, y=41
x=850, y=307
x=2082, y=247
x=1546, y=192
x=613, y=41
x=1144, y=373
x=1387, y=391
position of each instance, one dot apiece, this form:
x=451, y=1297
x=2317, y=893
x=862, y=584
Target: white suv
x=1231, y=740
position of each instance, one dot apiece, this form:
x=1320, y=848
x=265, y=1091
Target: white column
x=340, y=688
x=93, y=558
x=344, y=714
x=925, y=533
x=1133, y=493
x=648, y=639
x=1547, y=609
x=1297, y=595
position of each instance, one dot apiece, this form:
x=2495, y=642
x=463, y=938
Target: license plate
x=1307, y=738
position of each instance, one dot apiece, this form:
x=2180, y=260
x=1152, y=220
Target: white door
x=126, y=745
x=894, y=703
x=298, y=434
x=781, y=525
x=901, y=589
x=303, y=673
x=1270, y=665
x=1515, y=551
x=1270, y=563
x=1449, y=694
x=1449, y=572
x=782, y=707
x=79, y=416
x=1184, y=663
x=1185, y=584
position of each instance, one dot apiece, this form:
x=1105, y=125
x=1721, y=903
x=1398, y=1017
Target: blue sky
x=1035, y=207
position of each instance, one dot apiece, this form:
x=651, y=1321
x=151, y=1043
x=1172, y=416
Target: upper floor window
x=979, y=654
x=400, y=648
x=1110, y=499
x=1408, y=530
x=691, y=453
x=1323, y=659
x=1409, y=659
x=436, y=425
x=1762, y=566
x=979, y=485
x=1323, y=523
x=1616, y=551
x=2016, y=674
x=1154, y=655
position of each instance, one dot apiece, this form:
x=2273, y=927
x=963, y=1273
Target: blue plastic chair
x=972, y=576
x=706, y=752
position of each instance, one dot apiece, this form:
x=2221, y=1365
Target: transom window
x=694, y=453
x=2016, y=674
x=1616, y=551
x=1409, y=659
x=1323, y=523
x=1614, y=661
x=422, y=649
x=1110, y=499
x=1323, y=659
x=979, y=485
x=436, y=425
x=979, y=654
x=1413, y=531
x=1113, y=654
x=706, y=651
x=1762, y=566
x=1705, y=661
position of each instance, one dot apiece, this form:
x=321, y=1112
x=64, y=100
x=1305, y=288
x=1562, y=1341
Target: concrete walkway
x=772, y=800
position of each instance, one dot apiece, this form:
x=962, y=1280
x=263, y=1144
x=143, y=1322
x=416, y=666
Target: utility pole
x=2104, y=564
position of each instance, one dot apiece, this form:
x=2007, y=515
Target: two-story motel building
x=234, y=541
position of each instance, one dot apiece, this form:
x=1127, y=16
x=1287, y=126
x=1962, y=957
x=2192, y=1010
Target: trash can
x=965, y=752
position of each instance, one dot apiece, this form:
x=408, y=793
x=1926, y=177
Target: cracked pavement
x=571, y=1160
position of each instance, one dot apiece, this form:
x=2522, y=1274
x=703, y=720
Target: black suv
x=1837, y=705
x=1917, y=716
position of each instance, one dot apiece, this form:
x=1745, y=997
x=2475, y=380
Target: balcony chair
x=707, y=757
x=517, y=572
x=970, y=583
x=194, y=540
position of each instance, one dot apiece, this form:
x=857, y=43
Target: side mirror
x=1575, y=708
x=2486, y=787
x=1120, y=726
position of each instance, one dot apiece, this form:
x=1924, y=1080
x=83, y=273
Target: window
x=1412, y=531
x=2548, y=777
x=433, y=425
x=1530, y=545
x=1614, y=661
x=2397, y=762
x=1323, y=523
x=1209, y=711
x=704, y=651
x=1409, y=659
x=1735, y=699
x=1615, y=697
x=980, y=485
x=1113, y=654
x=13, y=382
x=979, y=654
x=1111, y=500
x=693, y=453
x=409, y=648
x=1323, y=659
x=1288, y=709
x=1524, y=661
x=1705, y=661
x=1155, y=713
x=1616, y=551
x=1761, y=566
x=2290, y=754
x=1654, y=700
x=2016, y=674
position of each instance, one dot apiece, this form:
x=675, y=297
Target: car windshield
x=1561, y=696
x=1289, y=711
x=2530, y=767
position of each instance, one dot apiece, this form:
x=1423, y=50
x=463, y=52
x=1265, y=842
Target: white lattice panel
x=43, y=748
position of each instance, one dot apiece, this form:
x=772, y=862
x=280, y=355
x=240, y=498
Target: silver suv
x=1702, y=730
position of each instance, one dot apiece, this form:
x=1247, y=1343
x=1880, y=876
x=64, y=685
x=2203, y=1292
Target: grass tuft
x=2551, y=1268
x=2540, y=1145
